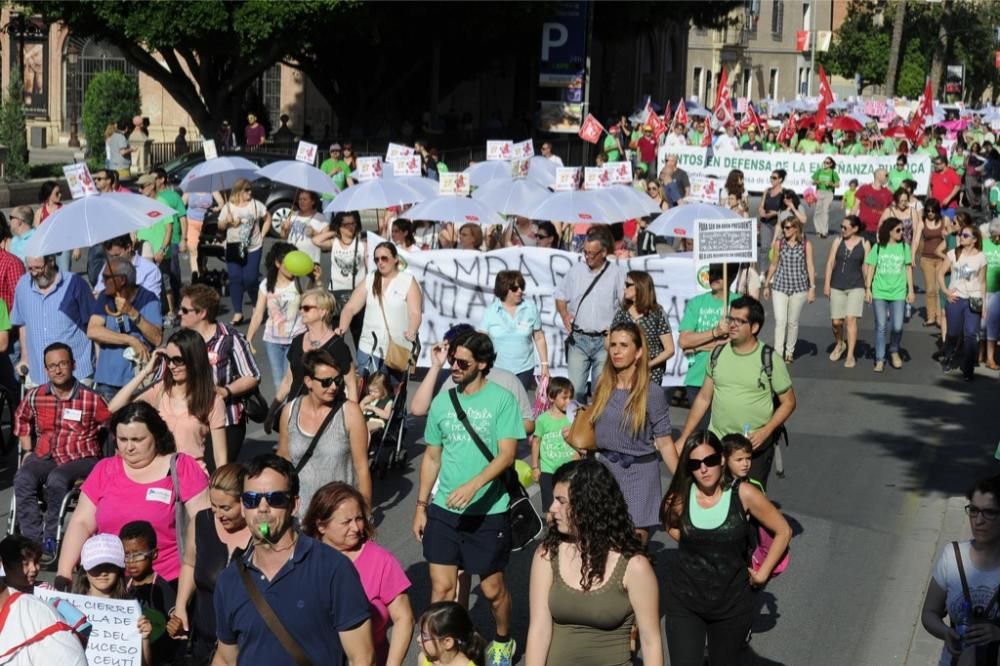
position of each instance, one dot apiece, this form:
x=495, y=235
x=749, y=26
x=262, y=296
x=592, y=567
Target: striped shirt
x=230, y=357
x=65, y=430
x=61, y=315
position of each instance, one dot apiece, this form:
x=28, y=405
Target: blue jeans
x=962, y=322
x=585, y=359
x=882, y=309
x=277, y=358
x=244, y=279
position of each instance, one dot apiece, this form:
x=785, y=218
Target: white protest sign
x=208, y=147
x=306, y=152
x=499, y=150
x=705, y=190
x=567, y=179
x=619, y=172
x=406, y=166
x=519, y=168
x=115, y=637
x=595, y=178
x=757, y=167
x=524, y=150
x=397, y=151
x=79, y=180
x=453, y=183
x=725, y=241
x=457, y=288
x=369, y=168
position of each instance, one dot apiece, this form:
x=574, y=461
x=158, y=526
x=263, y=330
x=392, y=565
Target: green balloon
x=298, y=263
x=523, y=471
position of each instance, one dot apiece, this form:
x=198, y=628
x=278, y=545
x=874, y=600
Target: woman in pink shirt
x=185, y=397
x=137, y=484
x=339, y=518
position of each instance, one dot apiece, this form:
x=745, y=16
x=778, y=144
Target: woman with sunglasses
x=845, y=287
x=185, y=397
x=930, y=232
x=791, y=277
x=709, y=589
x=323, y=434
x=547, y=236
x=246, y=222
x=655, y=192
x=826, y=180
x=640, y=307
x=967, y=265
x=220, y=535
x=889, y=286
x=136, y=484
x=965, y=582
x=513, y=323
x=772, y=203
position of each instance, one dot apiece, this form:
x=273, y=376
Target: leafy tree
x=111, y=97
x=14, y=129
x=913, y=72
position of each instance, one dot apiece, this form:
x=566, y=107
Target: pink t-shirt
x=121, y=500
x=383, y=579
x=189, y=432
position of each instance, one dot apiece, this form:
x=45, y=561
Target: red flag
x=666, y=114
x=654, y=121
x=723, y=109
x=706, y=139
x=825, y=91
x=592, y=129
x=927, y=104
x=681, y=116
x=751, y=117
x=916, y=126
x=788, y=129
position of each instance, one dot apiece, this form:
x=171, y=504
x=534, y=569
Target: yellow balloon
x=523, y=471
x=298, y=263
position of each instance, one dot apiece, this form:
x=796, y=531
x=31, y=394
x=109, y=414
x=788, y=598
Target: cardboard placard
x=306, y=152
x=567, y=179
x=80, y=182
x=524, y=150
x=406, y=166
x=397, y=151
x=453, y=183
x=619, y=172
x=369, y=168
x=114, y=634
x=595, y=178
x=499, y=150
x=519, y=168
x=725, y=241
x=208, y=147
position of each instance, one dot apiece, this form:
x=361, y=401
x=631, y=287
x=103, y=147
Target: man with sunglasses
x=466, y=525
x=57, y=424
x=741, y=391
x=147, y=274
x=313, y=590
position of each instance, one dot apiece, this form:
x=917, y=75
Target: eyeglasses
x=542, y=236
x=786, y=227
x=383, y=258
x=694, y=464
x=461, y=363
x=591, y=255
x=774, y=178
x=326, y=382
x=139, y=557
x=517, y=287
x=58, y=364
x=175, y=360
x=966, y=234
x=738, y=321
x=987, y=514
x=279, y=499
x=629, y=284
x=184, y=311
x=308, y=308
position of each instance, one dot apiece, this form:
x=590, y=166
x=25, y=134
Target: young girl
x=851, y=195
x=279, y=298
x=377, y=405
x=549, y=451
x=447, y=636
x=102, y=575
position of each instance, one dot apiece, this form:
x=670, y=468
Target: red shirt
x=871, y=204
x=11, y=270
x=942, y=185
x=254, y=134
x=647, y=149
x=64, y=429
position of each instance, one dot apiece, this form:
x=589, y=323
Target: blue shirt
x=512, y=336
x=147, y=276
x=19, y=243
x=61, y=315
x=316, y=594
x=113, y=368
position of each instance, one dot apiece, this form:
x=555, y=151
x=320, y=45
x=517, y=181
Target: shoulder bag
x=582, y=436
x=525, y=524
x=319, y=433
x=271, y=619
x=180, y=513
x=236, y=252
x=570, y=340
x=397, y=357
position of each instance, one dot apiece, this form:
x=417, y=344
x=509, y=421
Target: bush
x=110, y=97
x=14, y=130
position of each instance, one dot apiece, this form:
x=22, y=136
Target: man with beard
x=285, y=572
x=50, y=306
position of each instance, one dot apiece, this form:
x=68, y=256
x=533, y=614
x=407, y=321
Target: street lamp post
x=73, y=60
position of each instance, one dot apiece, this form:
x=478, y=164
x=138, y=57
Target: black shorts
x=479, y=545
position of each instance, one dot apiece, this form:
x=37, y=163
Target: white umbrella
x=512, y=197
x=542, y=170
x=375, y=193
x=455, y=209
x=91, y=220
x=483, y=172
x=698, y=112
x=426, y=186
x=219, y=173
x=679, y=220
x=300, y=175
x=628, y=201
x=576, y=206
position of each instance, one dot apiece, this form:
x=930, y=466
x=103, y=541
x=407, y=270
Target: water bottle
x=746, y=430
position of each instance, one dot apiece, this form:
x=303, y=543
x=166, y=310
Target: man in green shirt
x=612, y=144
x=697, y=132
x=178, y=241
x=335, y=167
x=741, y=391
x=809, y=145
x=467, y=526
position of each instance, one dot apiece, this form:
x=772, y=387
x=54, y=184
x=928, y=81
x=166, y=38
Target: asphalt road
x=872, y=463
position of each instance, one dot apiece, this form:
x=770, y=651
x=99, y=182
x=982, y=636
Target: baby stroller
x=386, y=449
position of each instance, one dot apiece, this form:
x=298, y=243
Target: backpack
x=767, y=362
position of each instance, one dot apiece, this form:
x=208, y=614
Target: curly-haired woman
x=709, y=590
x=591, y=580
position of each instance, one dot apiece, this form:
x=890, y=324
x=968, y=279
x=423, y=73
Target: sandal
x=850, y=362
x=838, y=351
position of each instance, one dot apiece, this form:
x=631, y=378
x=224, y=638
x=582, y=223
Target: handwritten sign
x=524, y=150
x=567, y=179
x=406, y=166
x=453, y=183
x=80, y=182
x=208, y=147
x=724, y=241
x=114, y=638
x=619, y=172
x=519, y=168
x=499, y=150
x=595, y=178
x=306, y=152
x=369, y=168
x=397, y=151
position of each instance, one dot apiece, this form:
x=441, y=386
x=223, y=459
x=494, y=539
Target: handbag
x=180, y=513
x=256, y=406
x=397, y=357
x=976, y=304
x=525, y=523
x=581, y=432
x=271, y=619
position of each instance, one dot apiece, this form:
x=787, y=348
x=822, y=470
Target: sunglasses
x=174, y=360
x=326, y=382
x=383, y=258
x=460, y=363
x=517, y=287
x=694, y=464
x=786, y=227
x=966, y=234
x=184, y=310
x=308, y=308
x=542, y=236
x=629, y=284
x=278, y=499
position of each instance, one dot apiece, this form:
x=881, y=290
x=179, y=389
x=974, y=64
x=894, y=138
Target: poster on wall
x=29, y=39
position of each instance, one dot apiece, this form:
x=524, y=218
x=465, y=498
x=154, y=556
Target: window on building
x=270, y=93
x=806, y=16
x=772, y=83
x=777, y=17
x=708, y=91
x=803, y=80
x=696, y=81
x=747, y=82
x=751, y=13
x=95, y=57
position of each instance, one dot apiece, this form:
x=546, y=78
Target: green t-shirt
x=553, y=451
x=890, y=262
x=4, y=316
x=995, y=196
x=856, y=148
x=611, y=148
x=897, y=176
x=494, y=415
x=695, y=138
x=174, y=200
x=741, y=394
x=957, y=162
x=770, y=146
x=701, y=314
x=992, y=252
x=808, y=146
x=826, y=179
x=930, y=151
x=828, y=148
x=850, y=197
x=154, y=236
x=888, y=146
x=339, y=178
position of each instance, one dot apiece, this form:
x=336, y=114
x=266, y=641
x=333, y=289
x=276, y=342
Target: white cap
x=102, y=549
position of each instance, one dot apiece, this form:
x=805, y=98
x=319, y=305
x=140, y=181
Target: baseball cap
x=647, y=128
x=146, y=179
x=102, y=549
x=335, y=146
